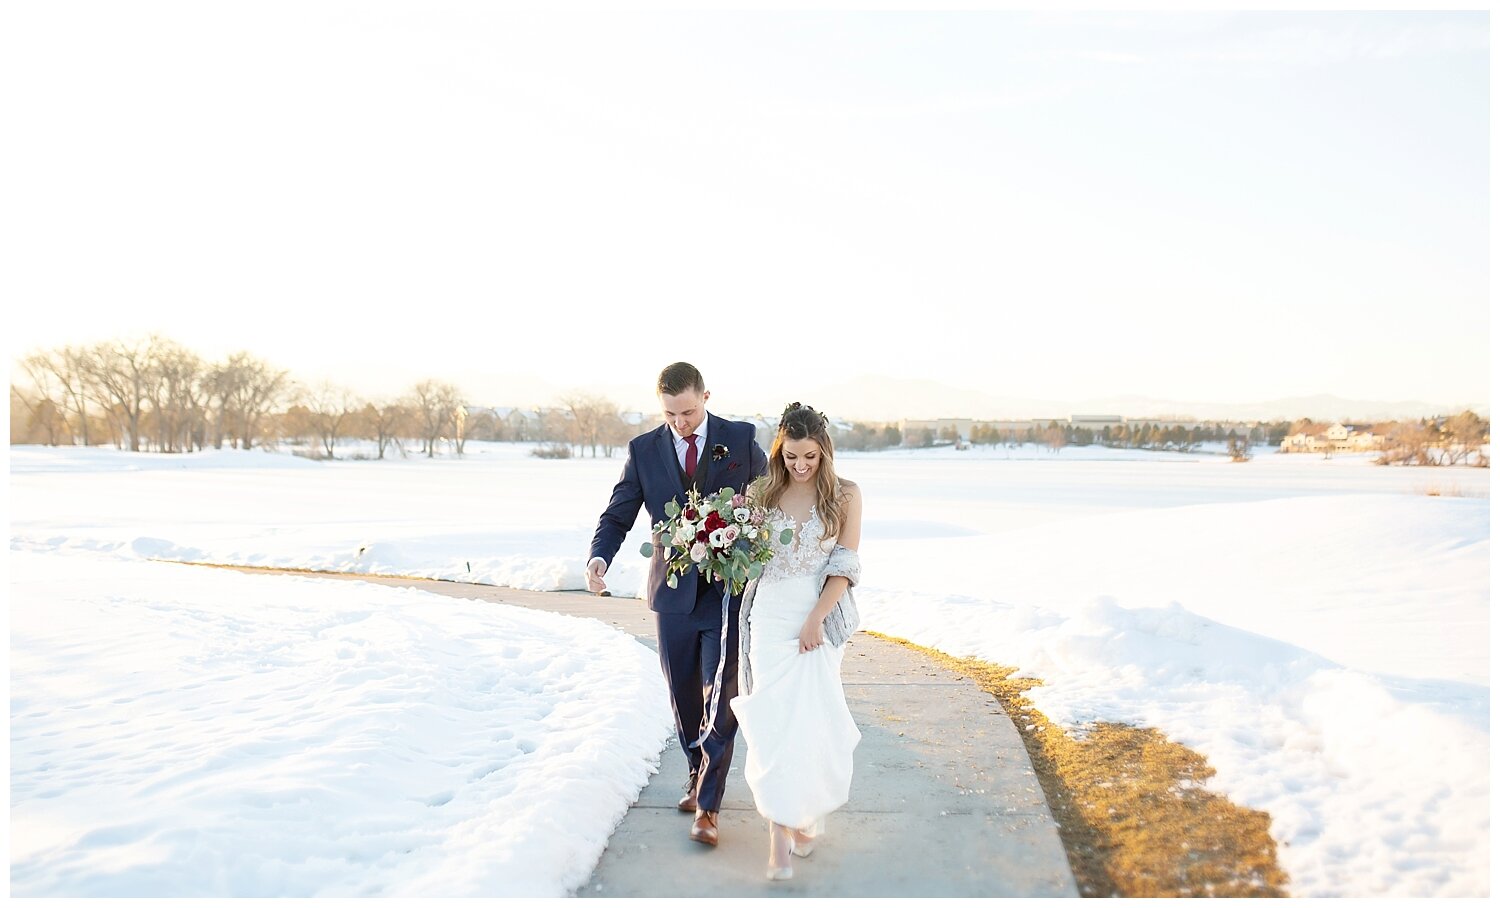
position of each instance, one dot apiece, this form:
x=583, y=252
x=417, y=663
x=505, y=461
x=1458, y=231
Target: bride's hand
x=811, y=637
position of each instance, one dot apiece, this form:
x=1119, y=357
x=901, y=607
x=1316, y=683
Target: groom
x=692, y=450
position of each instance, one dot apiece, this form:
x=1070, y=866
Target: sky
x=1203, y=206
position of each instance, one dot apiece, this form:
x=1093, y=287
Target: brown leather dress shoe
x=705, y=827
x=689, y=803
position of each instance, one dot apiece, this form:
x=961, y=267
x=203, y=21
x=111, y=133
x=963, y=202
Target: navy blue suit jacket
x=652, y=477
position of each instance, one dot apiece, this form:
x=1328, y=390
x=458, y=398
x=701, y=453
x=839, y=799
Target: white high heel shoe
x=803, y=849
x=777, y=871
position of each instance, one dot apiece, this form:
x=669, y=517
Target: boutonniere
x=720, y=452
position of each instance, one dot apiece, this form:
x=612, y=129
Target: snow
x=1329, y=656
x=1317, y=628
x=188, y=731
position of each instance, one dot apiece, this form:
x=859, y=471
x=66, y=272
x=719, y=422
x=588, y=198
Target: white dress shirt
x=701, y=433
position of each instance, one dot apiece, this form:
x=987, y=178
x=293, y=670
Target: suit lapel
x=668, y=450
x=707, y=466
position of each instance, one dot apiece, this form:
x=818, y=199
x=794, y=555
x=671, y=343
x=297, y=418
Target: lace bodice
x=806, y=554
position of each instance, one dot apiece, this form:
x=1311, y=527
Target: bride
x=799, y=735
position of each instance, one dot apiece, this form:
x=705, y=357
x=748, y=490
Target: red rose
x=714, y=522
x=690, y=514
x=702, y=536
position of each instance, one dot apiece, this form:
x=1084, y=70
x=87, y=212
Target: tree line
x=1147, y=436
x=1432, y=441
x=1436, y=441
x=154, y=394
x=145, y=394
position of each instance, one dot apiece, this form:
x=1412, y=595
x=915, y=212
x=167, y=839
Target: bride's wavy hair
x=797, y=423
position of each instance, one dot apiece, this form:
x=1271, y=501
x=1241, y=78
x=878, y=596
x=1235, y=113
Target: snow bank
x=185, y=731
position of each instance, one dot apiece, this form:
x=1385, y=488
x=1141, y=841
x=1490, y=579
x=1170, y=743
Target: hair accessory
x=798, y=405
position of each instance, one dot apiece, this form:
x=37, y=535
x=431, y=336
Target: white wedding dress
x=799, y=735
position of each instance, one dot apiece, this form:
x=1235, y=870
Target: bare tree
x=1238, y=448
x=392, y=420
x=1409, y=443
x=434, y=403
x=245, y=390
x=1054, y=437
x=1464, y=436
x=295, y=425
x=120, y=375
x=61, y=376
x=42, y=407
x=175, y=388
x=218, y=387
x=593, y=417
x=460, y=426
x=43, y=420
x=614, y=432
x=553, y=424
x=482, y=424
x=330, y=408
x=72, y=375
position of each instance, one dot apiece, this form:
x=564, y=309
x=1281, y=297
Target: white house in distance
x=1335, y=437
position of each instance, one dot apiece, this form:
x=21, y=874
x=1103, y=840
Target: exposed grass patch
x=1136, y=820
x=1452, y=490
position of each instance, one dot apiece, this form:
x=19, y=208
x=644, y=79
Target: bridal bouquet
x=723, y=535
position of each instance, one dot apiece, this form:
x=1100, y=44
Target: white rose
x=731, y=533
x=698, y=552
x=686, y=533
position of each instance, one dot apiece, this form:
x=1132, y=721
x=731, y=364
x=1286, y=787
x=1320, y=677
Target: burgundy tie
x=692, y=454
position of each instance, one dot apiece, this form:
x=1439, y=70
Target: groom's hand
x=594, y=574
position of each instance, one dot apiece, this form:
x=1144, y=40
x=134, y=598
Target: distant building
x=1096, y=422
x=1165, y=422
x=913, y=430
x=765, y=427
x=1335, y=437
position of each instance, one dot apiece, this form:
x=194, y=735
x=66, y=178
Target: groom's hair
x=678, y=378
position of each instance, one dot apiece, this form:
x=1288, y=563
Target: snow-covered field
x=182, y=731
x=1317, y=628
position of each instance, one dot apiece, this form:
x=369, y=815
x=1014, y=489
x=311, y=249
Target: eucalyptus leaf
x=647, y=549
x=754, y=571
x=786, y=537
x=672, y=509
x=672, y=581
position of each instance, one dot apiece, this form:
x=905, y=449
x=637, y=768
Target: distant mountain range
x=879, y=398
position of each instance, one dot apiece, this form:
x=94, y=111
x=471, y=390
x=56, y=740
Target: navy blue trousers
x=689, y=649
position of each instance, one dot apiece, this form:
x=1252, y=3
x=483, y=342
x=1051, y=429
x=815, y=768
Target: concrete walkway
x=944, y=800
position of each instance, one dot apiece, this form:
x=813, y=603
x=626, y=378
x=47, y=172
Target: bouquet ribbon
x=713, y=708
